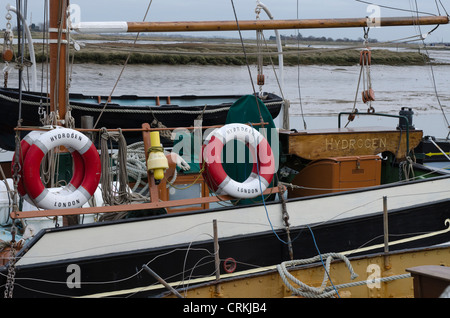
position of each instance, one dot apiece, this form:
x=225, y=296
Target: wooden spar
x=281, y=24
x=58, y=53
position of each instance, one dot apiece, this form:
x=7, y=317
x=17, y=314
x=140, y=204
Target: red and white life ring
x=25, y=144
x=86, y=175
x=263, y=161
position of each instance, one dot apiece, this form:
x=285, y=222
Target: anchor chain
x=285, y=217
x=8, y=51
x=10, y=278
x=9, y=286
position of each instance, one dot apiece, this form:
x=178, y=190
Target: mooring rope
x=324, y=291
x=120, y=194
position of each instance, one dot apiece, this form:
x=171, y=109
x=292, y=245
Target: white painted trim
x=54, y=41
x=56, y=30
x=100, y=27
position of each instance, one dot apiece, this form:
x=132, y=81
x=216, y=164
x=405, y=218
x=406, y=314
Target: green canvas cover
x=245, y=110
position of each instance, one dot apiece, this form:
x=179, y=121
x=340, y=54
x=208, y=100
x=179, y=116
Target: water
x=317, y=93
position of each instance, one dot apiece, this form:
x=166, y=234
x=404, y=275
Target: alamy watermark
x=190, y=146
x=74, y=278
x=374, y=17
x=74, y=14
x=373, y=280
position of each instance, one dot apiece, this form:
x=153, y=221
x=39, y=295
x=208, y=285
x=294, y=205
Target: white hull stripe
x=172, y=230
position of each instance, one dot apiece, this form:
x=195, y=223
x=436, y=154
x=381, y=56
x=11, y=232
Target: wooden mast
x=58, y=53
x=59, y=46
x=190, y=26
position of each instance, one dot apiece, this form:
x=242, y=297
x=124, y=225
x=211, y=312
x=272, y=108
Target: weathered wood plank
x=319, y=144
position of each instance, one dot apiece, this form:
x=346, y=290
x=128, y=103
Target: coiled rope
x=324, y=291
x=306, y=290
x=116, y=194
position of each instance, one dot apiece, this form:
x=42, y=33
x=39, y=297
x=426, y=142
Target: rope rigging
x=433, y=80
x=128, y=163
x=420, y=36
x=367, y=92
x=298, y=73
x=124, y=66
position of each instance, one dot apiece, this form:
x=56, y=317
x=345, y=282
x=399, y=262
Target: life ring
x=25, y=144
x=229, y=265
x=263, y=162
x=88, y=177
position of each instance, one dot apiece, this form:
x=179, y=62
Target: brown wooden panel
x=430, y=280
x=319, y=144
x=336, y=174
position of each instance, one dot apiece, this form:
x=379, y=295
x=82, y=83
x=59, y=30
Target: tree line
x=311, y=38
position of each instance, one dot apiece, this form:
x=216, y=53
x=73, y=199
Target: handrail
x=127, y=207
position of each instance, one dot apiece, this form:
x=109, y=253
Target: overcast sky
x=197, y=10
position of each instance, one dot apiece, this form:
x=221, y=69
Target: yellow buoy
x=157, y=161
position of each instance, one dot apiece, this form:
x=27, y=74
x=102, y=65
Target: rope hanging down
x=368, y=95
x=116, y=193
x=123, y=67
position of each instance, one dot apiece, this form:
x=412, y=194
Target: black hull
x=430, y=152
x=119, y=116
x=249, y=252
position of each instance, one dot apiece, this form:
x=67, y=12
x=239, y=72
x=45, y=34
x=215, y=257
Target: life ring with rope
x=86, y=174
x=263, y=162
x=25, y=144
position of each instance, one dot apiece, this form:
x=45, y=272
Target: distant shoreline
x=380, y=57
x=114, y=50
